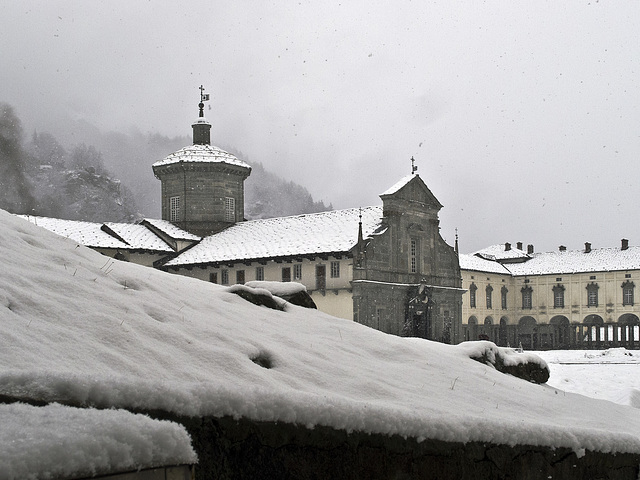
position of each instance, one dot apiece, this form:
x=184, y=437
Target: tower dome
x=202, y=185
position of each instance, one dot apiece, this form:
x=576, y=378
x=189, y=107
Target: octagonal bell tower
x=202, y=185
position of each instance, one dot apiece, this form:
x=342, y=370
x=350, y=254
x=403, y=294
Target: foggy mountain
x=44, y=176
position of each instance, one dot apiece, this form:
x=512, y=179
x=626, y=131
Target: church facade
x=386, y=267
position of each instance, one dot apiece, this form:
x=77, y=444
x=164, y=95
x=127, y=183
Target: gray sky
x=523, y=117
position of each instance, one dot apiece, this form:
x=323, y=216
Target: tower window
x=230, y=209
x=174, y=209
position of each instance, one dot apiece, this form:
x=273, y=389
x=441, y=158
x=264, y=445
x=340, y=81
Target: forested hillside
x=89, y=175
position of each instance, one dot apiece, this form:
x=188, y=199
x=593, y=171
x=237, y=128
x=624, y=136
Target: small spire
x=456, y=247
x=204, y=97
x=414, y=167
x=201, y=128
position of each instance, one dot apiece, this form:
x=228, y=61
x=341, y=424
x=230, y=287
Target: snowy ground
x=612, y=374
x=79, y=328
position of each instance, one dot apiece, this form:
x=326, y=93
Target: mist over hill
x=82, y=173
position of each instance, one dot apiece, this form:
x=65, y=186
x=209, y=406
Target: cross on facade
x=414, y=168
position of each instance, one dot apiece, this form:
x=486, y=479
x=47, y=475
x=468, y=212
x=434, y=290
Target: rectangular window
x=213, y=277
x=472, y=298
x=240, y=277
x=413, y=256
x=504, y=298
x=297, y=271
x=526, y=299
x=627, y=296
x=558, y=298
x=286, y=274
x=335, y=269
x=230, y=209
x=488, y=297
x=260, y=274
x=225, y=277
x=174, y=209
x=592, y=298
x=321, y=277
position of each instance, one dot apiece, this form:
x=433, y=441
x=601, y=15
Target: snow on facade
x=564, y=299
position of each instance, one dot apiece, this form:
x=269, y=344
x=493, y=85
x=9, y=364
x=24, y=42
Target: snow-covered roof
x=477, y=264
x=89, y=234
x=499, y=252
x=398, y=185
x=171, y=230
x=70, y=332
x=315, y=233
x=138, y=237
x=577, y=261
x=201, y=153
x=556, y=263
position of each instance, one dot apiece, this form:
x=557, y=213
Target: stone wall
x=244, y=449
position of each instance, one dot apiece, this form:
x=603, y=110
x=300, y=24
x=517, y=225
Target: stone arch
x=527, y=321
x=472, y=328
x=594, y=327
x=503, y=335
x=628, y=329
x=528, y=332
x=487, y=331
x=593, y=319
x=629, y=319
x=561, y=330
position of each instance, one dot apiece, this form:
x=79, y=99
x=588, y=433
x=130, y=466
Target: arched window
x=627, y=292
x=558, y=296
x=503, y=292
x=592, y=295
x=472, y=295
x=489, y=291
x=527, y=294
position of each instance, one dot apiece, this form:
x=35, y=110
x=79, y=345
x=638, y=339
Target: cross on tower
x=414, y=168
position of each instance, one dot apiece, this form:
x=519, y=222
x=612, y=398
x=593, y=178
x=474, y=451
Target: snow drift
x=82, y=329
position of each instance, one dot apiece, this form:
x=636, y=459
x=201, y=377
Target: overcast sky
x=523, y=117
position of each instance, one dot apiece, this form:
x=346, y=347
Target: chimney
x=625, y=244
x=562, y=248
x=507, y=247
x=530, y=249
x=587, y=247
x=519, y=245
